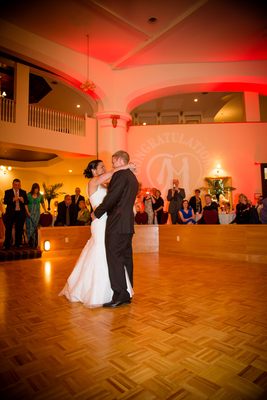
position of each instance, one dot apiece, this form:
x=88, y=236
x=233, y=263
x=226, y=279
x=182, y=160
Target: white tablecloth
x=226, y=218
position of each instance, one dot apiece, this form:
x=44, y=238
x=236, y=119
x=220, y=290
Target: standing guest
x=263, y=212
x=83, y=217
x=187, y=214
x=34, y=200
x=175, y=197
x=195, y=202
x=75, y=199
x=148, y=203
x=259, y=206
x=158, y=207
x=16, y=201
x=66, y=215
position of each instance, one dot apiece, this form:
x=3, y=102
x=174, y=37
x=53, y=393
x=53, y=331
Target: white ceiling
x=120, y=34
x=194, y=31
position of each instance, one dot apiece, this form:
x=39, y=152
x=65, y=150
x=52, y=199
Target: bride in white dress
x=89, y=281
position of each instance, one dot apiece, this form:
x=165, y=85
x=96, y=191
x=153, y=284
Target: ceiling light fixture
x=88, y=84
x=152, y=20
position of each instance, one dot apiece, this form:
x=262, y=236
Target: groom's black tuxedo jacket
x=119, y=202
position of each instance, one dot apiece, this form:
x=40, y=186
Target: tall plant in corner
x=50, y=192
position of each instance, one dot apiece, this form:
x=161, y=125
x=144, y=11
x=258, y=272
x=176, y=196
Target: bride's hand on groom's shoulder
x=132, y=166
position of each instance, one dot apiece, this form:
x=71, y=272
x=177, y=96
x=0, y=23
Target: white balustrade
x=7, y=110
x=46, y=118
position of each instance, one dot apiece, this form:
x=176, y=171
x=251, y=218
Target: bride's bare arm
x=99, y=180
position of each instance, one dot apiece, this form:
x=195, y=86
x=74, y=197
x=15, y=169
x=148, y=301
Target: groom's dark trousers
x=118, y=204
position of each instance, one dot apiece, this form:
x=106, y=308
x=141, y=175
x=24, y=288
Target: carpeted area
x=19, y=254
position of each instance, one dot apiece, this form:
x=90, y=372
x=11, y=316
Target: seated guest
x=158, y=207
x=195, y=202
x=65, y=213
x=141, y=217
x=186, y=213
x=75, y=198
x=263, y=212
x=242, y=210
x=226, y=207
x=210, y=213
x=83, y=217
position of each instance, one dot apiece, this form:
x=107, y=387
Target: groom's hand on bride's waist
x=93, y=216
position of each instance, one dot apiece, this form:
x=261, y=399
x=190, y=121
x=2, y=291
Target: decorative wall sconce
x=218, y=170
x=114, y=119
x=47, y=245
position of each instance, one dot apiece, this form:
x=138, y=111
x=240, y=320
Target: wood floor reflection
x=196, y=329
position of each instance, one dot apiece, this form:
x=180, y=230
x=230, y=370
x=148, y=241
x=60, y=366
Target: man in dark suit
x=65, y=213
x=175, y=197
x=118, y=204
x=75, y=198
x=16, y=201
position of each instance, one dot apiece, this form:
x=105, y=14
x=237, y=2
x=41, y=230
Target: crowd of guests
x=150, y=208
x=24, y=210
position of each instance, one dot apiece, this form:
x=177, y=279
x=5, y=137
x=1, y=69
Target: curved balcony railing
x=46, y=118
x=7, y=110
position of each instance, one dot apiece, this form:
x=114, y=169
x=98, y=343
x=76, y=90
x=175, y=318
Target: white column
x=252, y=106
x=112, y=134
x=22, y=94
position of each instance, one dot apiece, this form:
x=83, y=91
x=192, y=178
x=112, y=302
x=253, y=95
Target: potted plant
x=218, y=186
x=50, y=192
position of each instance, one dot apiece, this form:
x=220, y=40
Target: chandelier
x=88, y=84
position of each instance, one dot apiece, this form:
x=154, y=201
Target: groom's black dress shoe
x=114, y=304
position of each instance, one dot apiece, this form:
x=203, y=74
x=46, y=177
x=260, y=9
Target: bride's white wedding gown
x=89, y=281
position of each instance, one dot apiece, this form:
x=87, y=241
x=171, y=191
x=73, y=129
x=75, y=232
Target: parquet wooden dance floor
x=196, y=329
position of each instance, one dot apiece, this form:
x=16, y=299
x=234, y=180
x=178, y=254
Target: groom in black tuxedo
x=118, y=204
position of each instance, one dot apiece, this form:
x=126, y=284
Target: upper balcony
x=39, y=125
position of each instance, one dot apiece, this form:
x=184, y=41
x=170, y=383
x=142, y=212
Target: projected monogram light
x=172, y=155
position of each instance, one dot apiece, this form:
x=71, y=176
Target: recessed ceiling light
x=144, y=123
x=78, y=105
x=70, y=170
x=152, y=20
x=195, y=100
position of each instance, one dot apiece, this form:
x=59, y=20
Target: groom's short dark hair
x=122, y=154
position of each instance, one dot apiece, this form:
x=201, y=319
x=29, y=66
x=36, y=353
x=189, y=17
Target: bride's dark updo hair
x=92, y=165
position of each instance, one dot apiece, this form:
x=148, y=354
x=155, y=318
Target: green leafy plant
x=50, y=192
x=218, y=186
